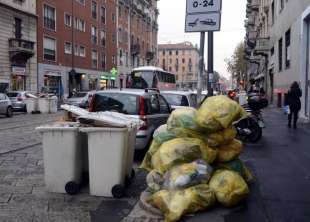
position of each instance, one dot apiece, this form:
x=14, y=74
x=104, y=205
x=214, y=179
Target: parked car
x=80, y=99
x=178, y=99
x=146, y=105
x=6, y=107
x=18, y=99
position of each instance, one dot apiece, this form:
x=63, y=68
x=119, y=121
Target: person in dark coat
x=293, y=101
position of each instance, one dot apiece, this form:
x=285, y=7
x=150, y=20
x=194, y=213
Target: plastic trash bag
x=238, y=166
x=183, y=118
x=175, y=204
x=222, y=137
x=174, y=152
x=162, y=134
x=179, y=151
x=230, y=151
x=154, y=181
x=147, y=160
x=218, y=112
x=187, y=175
x=229, y=187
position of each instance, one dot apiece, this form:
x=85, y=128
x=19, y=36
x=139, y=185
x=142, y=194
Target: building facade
x=76, y=44
x=283, y=33
x=181, y=59
x=137, y=31
x=18, y=43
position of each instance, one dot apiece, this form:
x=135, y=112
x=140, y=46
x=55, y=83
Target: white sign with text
x=203, y=22
x=203, y=6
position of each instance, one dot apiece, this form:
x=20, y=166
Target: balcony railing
x=262, y=45
x=20, y=49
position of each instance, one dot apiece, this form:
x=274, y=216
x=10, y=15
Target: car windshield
x=13, y=94
x=79, y=94
x=176, y=100
x=118, y=102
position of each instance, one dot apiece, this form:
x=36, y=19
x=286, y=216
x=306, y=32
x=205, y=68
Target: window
x=68, y=20
x=94, y=59
x=76, y=50
x=170, y=61
x=127, y=59
x=281, y=5
x=94, y=35
x=94, y=10
x=18, y=28
x=113, y=60
x=68, y=48
x=280, y=54
x=183, y=60
x=49, y=14
x=272, y=56
x=82, y=51
x=272, y=13
x=170, y=52
x=288, y=49
x=119, y=11
x=113, y=38
x=113, y=17
x=164, y=52
x=164, y=107
x=176, y=52
x=49, y=49
x=102, y=38
x=103, y=15
x=154, y=104
x=81, y=2
x=80, y=24
x=103, y=60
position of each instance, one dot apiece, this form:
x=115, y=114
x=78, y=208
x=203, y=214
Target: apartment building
x=18, y=42
x=137, y=31
x=76, y=44
x=281, y=30
x=181, y=59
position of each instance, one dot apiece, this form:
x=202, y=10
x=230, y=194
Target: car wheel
x=9, y=112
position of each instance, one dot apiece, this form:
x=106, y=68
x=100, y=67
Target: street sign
x=203, y=22
x=203, y=6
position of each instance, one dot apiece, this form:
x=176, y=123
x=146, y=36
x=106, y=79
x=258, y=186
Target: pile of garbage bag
x=193, y=161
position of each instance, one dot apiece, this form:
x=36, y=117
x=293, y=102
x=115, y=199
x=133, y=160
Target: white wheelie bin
x=44, y=105
x=130, y=172
x=107, y=157
x=62, y=156
x=31, y=105
x=53, y=104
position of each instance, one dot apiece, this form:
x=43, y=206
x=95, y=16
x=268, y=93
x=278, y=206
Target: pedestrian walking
x=293, y=101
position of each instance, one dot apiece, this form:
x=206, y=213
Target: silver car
x=6, y=107
x=146, y=105
x=18, y=99
x=80, y=99
x=178, y=99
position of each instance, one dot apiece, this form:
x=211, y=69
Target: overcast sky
x=171, y=28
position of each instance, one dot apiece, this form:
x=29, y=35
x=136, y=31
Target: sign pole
x=210, y=63
x=201, y=66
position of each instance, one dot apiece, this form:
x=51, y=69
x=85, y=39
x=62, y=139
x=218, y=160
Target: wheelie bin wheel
x=118, y=191
x=72, y=188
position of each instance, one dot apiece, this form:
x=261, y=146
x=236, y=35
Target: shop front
x=18, y=78
x=53, y=83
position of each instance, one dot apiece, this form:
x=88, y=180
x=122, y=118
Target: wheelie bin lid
x=59, y=126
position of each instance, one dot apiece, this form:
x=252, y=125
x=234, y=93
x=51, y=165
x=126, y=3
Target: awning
x=52, y=73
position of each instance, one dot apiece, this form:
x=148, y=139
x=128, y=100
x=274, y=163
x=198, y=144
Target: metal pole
x=210, y=63
x=201, y=66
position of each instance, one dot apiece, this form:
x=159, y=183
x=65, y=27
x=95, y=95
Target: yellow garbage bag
x=187, y=175
x=162, y=134
x=147, y=160
x=175, y=204
x=179, y=151
x=183, y=118
x=229, y=187
x=238, y=166
x=222, y=137
x=218, y=112
x=174, y=152
x=230, y=151
x=154, y=181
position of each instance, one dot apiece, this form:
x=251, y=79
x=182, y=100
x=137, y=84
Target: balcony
x=135, y=49
x=20, y=50
x=252, y=35
x=254, y=5
x=262, y=45
x=251, y=20
x=149, y=55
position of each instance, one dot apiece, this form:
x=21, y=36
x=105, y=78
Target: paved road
x=19, y=132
